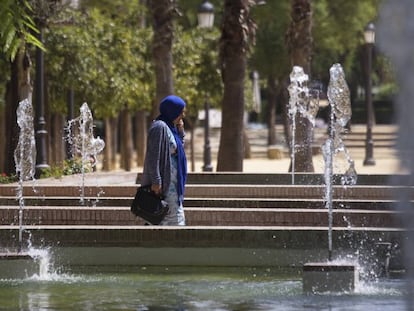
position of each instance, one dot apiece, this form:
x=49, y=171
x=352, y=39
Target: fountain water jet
x=334, y=276
x=24, y=156
x=84, y=142
x=339, y=100
x=300, y=101
x=25, y=159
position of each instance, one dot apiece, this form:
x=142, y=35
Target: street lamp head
x=369, y=33
x=205, y=15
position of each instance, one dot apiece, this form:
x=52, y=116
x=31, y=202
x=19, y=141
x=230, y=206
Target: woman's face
x=179, y=119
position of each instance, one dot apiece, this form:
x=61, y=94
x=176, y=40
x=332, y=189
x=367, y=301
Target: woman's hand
x=156, y=189
x=180, y=125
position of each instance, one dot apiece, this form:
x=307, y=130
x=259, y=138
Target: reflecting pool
x=188, y=288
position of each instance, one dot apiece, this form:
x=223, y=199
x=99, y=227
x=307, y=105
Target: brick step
x=376, y=138
x=202, y=216
x=289, y=203
x=384, y=138
x=232, y=178
x=349, y=144
x=207, y=202
x=293, y=191
x=224, y=191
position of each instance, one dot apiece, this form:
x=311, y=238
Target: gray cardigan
x=157, y=164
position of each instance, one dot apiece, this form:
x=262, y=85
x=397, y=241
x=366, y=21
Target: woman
x=165, y=165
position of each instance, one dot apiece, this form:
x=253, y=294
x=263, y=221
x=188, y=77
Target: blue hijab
x=170, y=108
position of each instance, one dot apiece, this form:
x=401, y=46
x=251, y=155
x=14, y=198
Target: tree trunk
x=108, y=150
x=126, y=141
x=271, y=110
x=283, y=98
x=190, y=125
x=2, y=141
x=140, y=136
x=237, y=30
x=192, y=156
x=18, y=88
x=115, y=142
x=141, y=116
x=299, y=41
x=246, y=145
x=231, y=151
x=57, y=143
x=162, y=14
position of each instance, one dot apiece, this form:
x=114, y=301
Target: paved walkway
x=386, y=159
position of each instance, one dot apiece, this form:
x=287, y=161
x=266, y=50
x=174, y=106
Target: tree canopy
x=104, y=55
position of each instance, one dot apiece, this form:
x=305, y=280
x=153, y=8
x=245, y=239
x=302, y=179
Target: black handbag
x=149, y=206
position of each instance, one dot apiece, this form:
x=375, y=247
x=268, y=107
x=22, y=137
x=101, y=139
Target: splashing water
x=339, y=100
x=339, y=96
x=84, y=144
x=300, y=101
x=24, y=155
x=43, y=258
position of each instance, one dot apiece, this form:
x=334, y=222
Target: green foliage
x=104, y=54
x=386, y=91
x=53, y=171
x=7, y=179
x=270, y=54
x=338, y=33
x=337, y=38
x=196, y=74
x=74, y=166
x=68, y=167
x=106, y=60
x=16, y=27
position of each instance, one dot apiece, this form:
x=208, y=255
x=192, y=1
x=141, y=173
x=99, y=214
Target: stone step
x=384, y=138
x=271, y=237
x=293, y=191
x=290, y=203
x=207, y=202
x=224, y=191
x=202, y=216
x=286, y=179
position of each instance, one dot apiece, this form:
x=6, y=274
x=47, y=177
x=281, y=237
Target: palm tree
x=16, y=27
x=162, y=18
x=299, y=42
x=237, y=33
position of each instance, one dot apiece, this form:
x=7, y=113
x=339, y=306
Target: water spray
x=300, y=101
x=339, y=101
x=24, y=156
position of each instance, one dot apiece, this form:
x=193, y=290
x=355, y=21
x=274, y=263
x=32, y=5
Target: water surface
x=188, y=288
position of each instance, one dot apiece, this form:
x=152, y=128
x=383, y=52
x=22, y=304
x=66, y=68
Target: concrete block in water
x=17, y=266
x=329, y=277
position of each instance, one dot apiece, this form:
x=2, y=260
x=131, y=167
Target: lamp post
x=205, y=16
x=369, y=34
x=41, y=132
